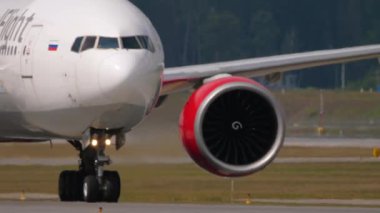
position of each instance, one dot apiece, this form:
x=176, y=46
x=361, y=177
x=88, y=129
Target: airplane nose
x=116, y=79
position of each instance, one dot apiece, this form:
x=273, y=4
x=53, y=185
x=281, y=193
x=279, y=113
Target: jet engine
x=232, y=126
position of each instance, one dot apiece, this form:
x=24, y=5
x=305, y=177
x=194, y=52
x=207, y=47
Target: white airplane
x=88, y=71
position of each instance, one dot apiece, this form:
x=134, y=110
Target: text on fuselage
x=13, y=24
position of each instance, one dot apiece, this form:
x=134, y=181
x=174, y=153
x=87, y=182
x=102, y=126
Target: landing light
x=108, y=142
x=94, y=142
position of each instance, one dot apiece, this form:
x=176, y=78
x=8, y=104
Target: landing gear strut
x=91, y=183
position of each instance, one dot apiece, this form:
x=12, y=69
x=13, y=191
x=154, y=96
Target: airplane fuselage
x=86, y=64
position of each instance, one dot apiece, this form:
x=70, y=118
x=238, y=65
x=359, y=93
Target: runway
x=56, y=207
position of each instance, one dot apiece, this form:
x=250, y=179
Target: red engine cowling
x=232, y=127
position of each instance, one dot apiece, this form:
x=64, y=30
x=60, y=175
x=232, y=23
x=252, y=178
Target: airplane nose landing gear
x=99, y=185
x=91, y=183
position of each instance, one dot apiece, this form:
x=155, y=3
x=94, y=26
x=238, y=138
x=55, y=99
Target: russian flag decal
x=53, y=47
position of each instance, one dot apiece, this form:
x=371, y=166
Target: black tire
x=90, y=189
x=111, y=187
x=62, y=187
x=69, y=187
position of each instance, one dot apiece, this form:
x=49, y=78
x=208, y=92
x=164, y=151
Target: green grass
x=186, y=183
x=189, y=184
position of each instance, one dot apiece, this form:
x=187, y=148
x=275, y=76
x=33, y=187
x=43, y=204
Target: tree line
x=202, y=31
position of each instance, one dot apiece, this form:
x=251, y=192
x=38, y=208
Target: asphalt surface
x=56, y=207
x=22, y=198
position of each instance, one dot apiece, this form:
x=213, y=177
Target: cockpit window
x=108, y=43
x=77, y=44
x=141, y=42
x=130, y=43
x=89, y=43
x=138, y=42
x=144, y=41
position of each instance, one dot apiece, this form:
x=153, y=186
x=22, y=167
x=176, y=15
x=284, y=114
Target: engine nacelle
x=232, y=127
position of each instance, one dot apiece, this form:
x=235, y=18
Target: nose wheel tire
x=90, y=189
x=107, y=191
x=111, y=187
x=69, y=186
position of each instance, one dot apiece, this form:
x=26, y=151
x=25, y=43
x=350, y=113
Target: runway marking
x=56, y=207
x=333, y=202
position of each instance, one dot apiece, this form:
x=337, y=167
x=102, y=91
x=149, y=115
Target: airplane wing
x=177, y=79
